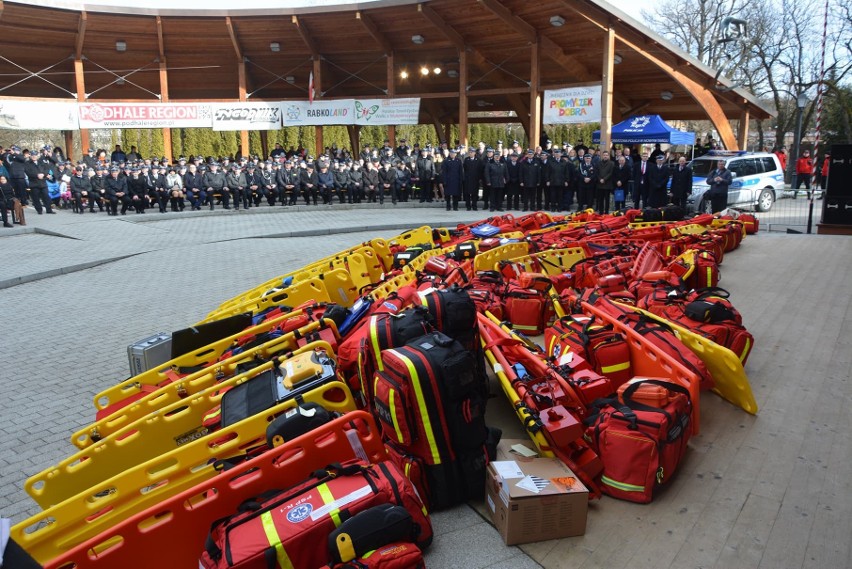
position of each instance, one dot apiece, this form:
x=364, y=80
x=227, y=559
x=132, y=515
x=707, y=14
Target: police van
x=757, y=178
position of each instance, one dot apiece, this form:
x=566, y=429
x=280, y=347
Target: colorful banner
x=387, y=111
x=145, y=115
x=303, y=113
x=32, y=115
x=246, y=116
x=572, y=105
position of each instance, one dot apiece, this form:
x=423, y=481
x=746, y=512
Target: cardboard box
x=507, y=449
x=521, y=514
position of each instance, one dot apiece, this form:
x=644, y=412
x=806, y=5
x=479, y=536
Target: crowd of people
x=554, y=178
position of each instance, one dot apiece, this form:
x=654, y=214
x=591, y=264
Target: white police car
x=757, y=178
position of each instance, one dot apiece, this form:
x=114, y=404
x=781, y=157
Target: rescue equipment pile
x=354, y=403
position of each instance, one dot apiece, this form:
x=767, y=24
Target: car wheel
x=765, y=200
x=705, y=206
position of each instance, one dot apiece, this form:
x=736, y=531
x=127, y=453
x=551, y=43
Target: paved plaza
x=769, y=491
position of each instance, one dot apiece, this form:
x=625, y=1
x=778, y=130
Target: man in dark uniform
x=267, y=180
x=288, y=183
x=254, y=183
x=544, y=179
x=371, y=179
x=402, y=150
x=606, y=174
x=658, y=179
x=137, y=188
x=237, y=185
x=15, y=164
x=355, y=189
x=559, y=178
x=424, y=172
x=341, y=180
x=98, y=182
x=387, y=182
x=90, y=160
x=719, y=180
x=587, y=174
x=513, y=181
x=681, y=182
x=472, y=179
x=495, y=176
x=530, y=179
x=452, y=179
x=309, y=183
x=116, y=191
x=193, y=185
x=81, y=188
x=214, y=184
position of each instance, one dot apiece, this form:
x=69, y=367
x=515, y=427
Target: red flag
x=311, y=88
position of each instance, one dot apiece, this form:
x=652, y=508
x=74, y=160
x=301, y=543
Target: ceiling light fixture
x=437, y=71
x=418, y=39
x=275, y=46
x=452, y=73
x=424, y=71
x=666, y=95
x=290, y=79
x=557, y=21
x=121, y=45
x=404, y=74
x=616, y=59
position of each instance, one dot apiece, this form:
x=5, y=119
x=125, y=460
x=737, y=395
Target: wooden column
x=742, y=130
x=354, y=140
x=319, y=147
x=391, y=94
x=264, y=144
x=164, y=89
x=244, y=135
x=463, y=135
x=69, y=143
x=81, y=98
x=607, y=90
x=534, y=128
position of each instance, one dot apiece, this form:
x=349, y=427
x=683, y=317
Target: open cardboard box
x=534, y=499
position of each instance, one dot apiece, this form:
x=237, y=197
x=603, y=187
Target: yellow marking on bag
x=328, y=498
x=615, y=367
x=392, y=405
x=744, y=353
x=424, y=409
x=622, y=485
x=275, y=541
x=374, y=338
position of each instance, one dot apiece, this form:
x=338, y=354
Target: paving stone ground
x=63, y=338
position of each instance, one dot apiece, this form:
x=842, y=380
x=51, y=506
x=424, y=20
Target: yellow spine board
x=294, y=295
x=414, y=237
x=488, y=260
x=688, y=229
x=552, y=262
x=92, y=510
x=726, y=368
x=384, y=289
x=150, y=436
x=203, y=356
x=521, y=410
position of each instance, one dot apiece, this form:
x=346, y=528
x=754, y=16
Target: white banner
x=303, y=113
x=572, y=105
x=387, y=111
x=26, y=115
x=247, y=116
x=145, y=115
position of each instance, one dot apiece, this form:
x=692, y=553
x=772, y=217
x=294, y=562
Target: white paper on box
x=507, y=469
x=524, y=451
x=533, y=484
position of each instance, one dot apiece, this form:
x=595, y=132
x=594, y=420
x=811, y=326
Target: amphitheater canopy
x=494, y=56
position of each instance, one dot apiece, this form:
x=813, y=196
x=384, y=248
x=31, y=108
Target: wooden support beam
x=606, y=89
x=1, y=8
x=305, y=34
x=81, y=35
x=374, y=31
x=432, y=110
x=534, y=128
x=69, y=143
x=234, y=42
x=264, y=144
x=80, y=83
x=391, y=82
x=451, y=34
x=463, y=135
x=164, y=87
x=241, y=80
x=319, y=147
x=742, y=129
x=640, y=106
x=701, y=94
x=498, y=91
x=518, y=24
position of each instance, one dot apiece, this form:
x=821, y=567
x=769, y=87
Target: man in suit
x=641, y=171
x=658, y=179
x=681, y=182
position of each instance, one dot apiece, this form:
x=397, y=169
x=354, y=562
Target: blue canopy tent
x=646, y=129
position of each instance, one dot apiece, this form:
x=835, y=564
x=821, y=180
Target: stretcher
x=489, y=260
x=91, y=511
x=158, y=388
x=177, y=527
x=160, y=432
x=553, y=261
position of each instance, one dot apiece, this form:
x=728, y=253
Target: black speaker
x=839, y=171
x=837, y=210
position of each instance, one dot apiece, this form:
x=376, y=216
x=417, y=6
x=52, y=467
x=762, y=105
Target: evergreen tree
x=157, y=145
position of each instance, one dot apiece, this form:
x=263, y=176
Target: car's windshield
x=702, y=167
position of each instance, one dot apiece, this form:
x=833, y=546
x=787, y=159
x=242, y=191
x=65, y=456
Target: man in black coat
x=530, y=178
x=681, y=182
x=719, y=180
x=38, y=185
x=641, y=171
x=658, y=179
x=116, y=191
x=513, y=182
x=495, y=179
x=15, y=164
x=472, y=178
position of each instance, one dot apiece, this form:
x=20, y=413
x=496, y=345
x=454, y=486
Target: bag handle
x=627, y=396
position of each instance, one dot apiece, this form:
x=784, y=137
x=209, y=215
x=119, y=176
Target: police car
x=757, y=178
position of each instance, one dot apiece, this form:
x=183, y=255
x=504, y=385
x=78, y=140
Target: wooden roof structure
x=494, y=56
